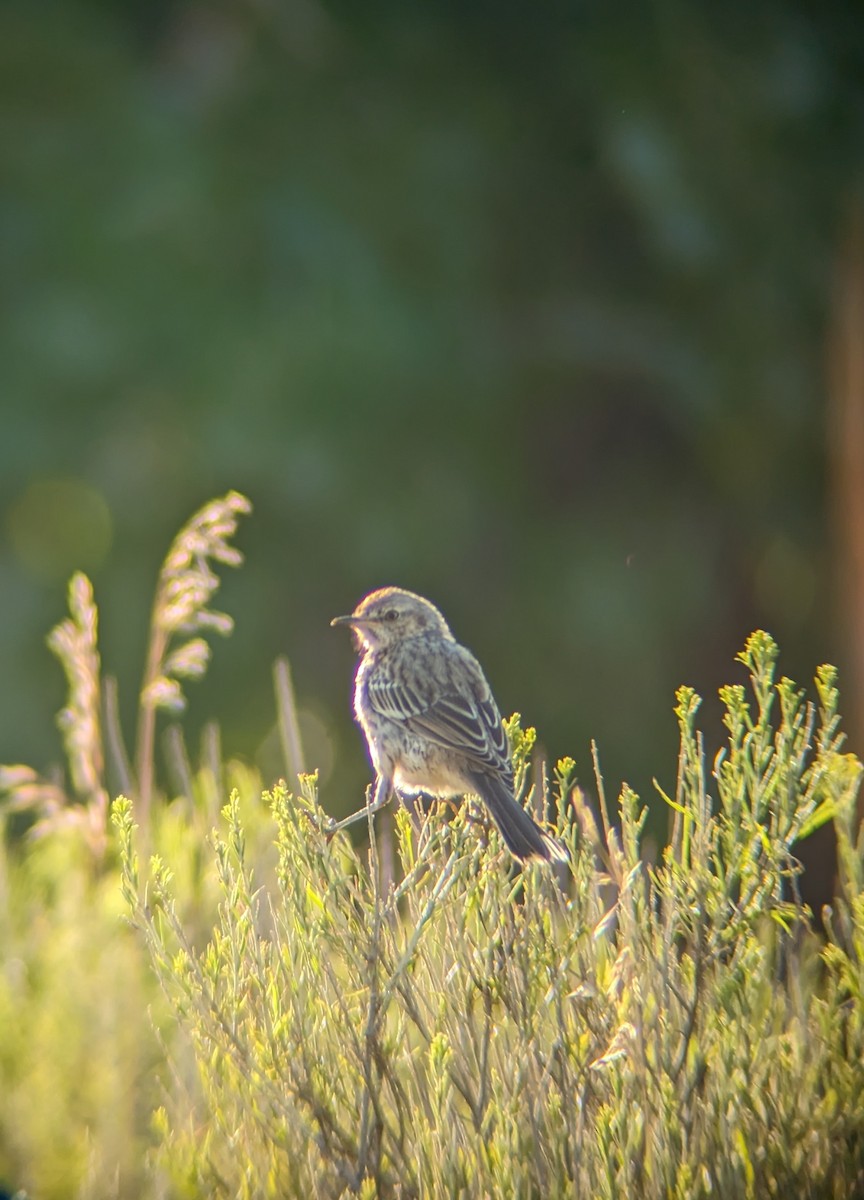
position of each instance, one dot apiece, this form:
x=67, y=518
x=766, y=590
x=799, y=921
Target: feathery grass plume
x=185, y=588
x=75, y=643
x=25, y=790
x=684, y=1037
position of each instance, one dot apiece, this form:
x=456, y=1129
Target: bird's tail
x=524, y=838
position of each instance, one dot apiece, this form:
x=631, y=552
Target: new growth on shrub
x=673, y=1030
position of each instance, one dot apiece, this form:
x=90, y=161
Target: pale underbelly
x=429, y=775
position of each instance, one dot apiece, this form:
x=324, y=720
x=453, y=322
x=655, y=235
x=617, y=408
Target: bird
x=429, y=718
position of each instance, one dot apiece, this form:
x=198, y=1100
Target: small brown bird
x=430, y=721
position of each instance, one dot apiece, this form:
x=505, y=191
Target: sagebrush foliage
x=672, y=1030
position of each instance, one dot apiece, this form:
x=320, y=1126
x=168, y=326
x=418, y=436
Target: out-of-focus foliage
x=520, y=306
x=93, y=739
x=77, y=1048
x=665, y=1031
x=83, y=1026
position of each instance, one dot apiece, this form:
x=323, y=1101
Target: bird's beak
x=351, y=620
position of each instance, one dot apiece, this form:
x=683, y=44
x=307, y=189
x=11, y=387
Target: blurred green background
x=527, y=308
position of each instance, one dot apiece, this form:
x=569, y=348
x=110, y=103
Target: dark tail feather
x=524, y=838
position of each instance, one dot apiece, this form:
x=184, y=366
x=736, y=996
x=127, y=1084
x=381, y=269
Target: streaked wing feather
x=465, y=728
x=464, y=719
x=397, y=701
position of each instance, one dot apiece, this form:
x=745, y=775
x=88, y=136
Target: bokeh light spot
x=57, y=526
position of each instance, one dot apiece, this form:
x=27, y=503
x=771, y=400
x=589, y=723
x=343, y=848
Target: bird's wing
x=451, y=704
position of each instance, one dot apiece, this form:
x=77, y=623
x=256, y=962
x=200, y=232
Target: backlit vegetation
x=288, y=1015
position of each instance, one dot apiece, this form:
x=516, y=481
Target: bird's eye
x=391, y=615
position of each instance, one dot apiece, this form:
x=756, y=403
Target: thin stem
x=115, y=746
x=287, y=721
x=145, y=741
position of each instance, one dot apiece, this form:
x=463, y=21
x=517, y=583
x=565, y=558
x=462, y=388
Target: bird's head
x=391, y=614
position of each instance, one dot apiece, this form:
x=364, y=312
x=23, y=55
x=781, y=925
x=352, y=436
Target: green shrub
x=456, y=1028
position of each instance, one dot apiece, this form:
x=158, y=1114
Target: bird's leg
x=383, y=789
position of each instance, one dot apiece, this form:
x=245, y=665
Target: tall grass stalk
x=185, y=587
